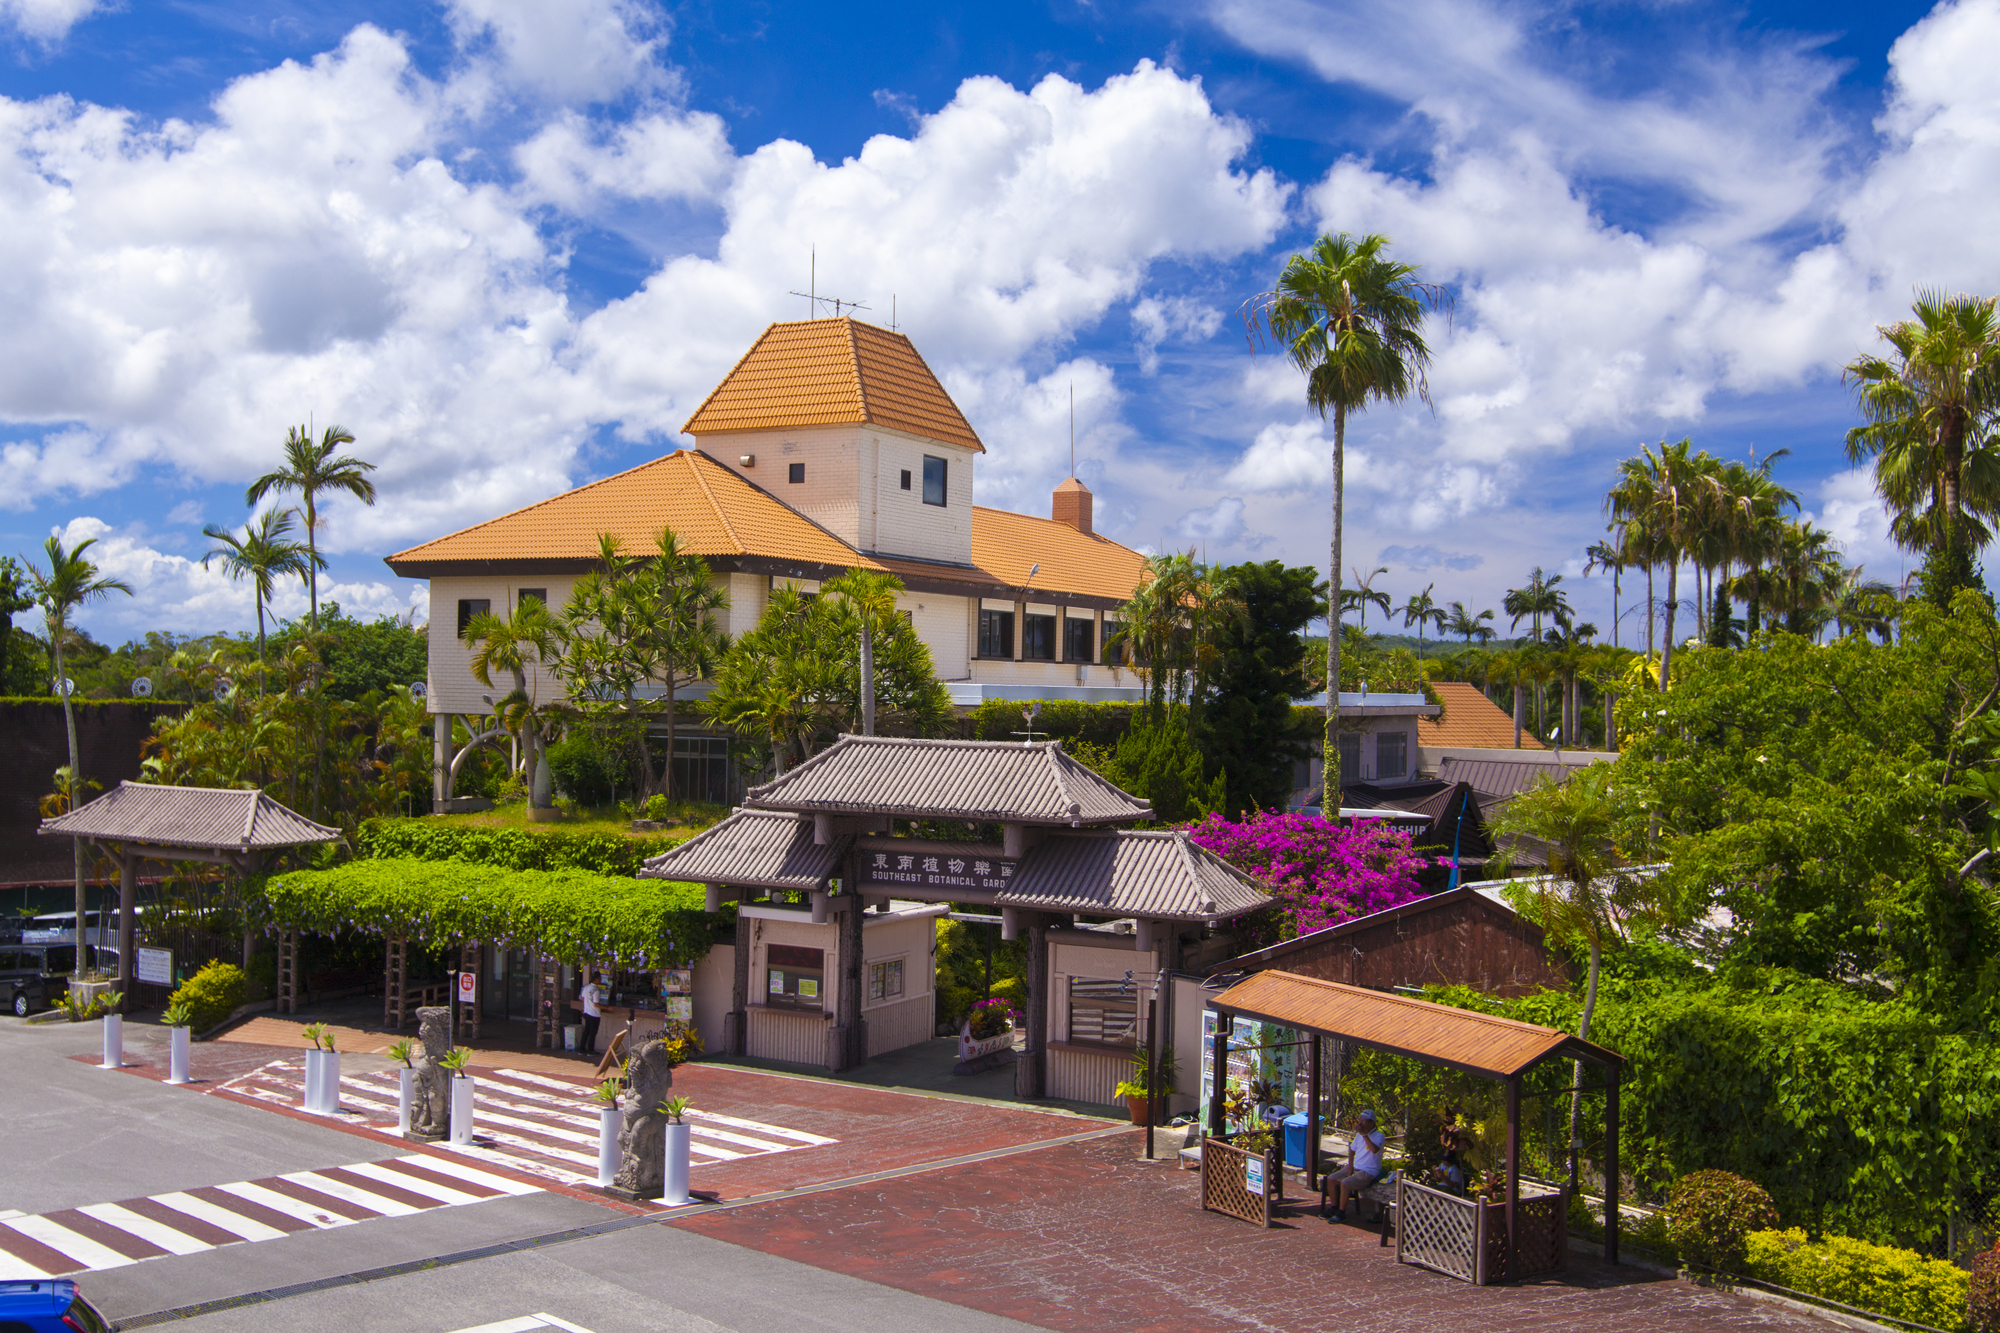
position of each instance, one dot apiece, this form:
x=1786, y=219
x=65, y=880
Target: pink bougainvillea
x=1321, y=873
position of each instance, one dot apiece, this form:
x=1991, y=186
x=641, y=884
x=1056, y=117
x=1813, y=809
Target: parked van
x=35, y=975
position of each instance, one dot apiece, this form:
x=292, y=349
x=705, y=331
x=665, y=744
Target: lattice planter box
x=1239, y=1183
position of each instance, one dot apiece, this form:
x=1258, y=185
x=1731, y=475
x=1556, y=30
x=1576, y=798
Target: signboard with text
x=943, y=870
x=154, y=967
x=468, y=988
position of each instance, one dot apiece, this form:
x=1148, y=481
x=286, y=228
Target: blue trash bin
x=1295, y=1140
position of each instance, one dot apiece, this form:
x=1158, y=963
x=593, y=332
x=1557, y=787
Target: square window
x=933, y=480
x=1350, y=757
x=1038, y=639
x=906, y=479
x=1114, y=646
x=792, y=977
x=1079, y=640
x=526, y=595
x=468, y=607
x=1102, y=1013
x=885, y=980
x=996, y=634
x=796, y=473
x=1392, y=754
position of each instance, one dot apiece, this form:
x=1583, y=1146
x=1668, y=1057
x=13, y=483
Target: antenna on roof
x=1072, y=430
x=814, y=300
x=892, y=312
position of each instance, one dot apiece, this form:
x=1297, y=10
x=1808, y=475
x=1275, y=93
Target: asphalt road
x=79, y=1135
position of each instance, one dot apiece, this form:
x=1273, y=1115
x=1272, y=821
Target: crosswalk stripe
x=167, y=1238
x=538, y=1166
x=116, y=1239
x=376, y=1203
x=86, y=1252
x=23, y=1250
x=404, y=1180
x=473, y=1174
x=432, y=1178
x=284, y=1203
x=18, y=1270
x=218, y=1216
x=529, y=1145
x=758, y=1127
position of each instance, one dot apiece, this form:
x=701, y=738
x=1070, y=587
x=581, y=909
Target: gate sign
x=966, y=869
x=1253, y=1174
x=468, y=988
x=155, y=967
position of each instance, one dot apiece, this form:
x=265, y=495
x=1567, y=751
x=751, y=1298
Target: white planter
x=329, y=1083
x=178, y=1042
x=674, y=1189
x=461, y=1108
x=406, y=1092
x=607, y=1144
x=315, y=1058
x=114, y=1041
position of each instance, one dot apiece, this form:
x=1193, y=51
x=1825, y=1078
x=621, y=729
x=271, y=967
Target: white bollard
x=406, y=1091
x=314, y=1060
x=329, y=1084
x=674, y=1189
x=607, y=1144
x=461, y=1109
x=178, y=1041
x=114, y=1041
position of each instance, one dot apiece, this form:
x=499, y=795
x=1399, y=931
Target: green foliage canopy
x=1247, y=726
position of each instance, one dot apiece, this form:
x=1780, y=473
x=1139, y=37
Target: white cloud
x=574, y=162
x=1157, y=319
x=568, y=51
x=46, y=21
x=1217, y=527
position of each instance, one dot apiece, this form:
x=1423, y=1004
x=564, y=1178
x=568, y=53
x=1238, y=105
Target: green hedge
x=1061, y=719
x=577, y=916
x=1901, y=1284
x=211, y=995
x=512, y=849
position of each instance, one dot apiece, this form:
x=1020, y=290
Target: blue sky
x=511, y=243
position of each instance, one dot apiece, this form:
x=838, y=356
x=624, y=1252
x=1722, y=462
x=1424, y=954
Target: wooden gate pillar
x=1031, y=1066
x=1611, y=1164
x=736, y=1029
x=468, y=1014
x=395, y=981
x=549, y=1013
x=288, y=971
x=128, y=911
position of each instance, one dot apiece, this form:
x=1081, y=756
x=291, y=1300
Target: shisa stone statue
x=642, y=1140
x=430, y=1110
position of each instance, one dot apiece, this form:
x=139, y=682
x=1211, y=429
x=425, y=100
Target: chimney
x=1072, y=505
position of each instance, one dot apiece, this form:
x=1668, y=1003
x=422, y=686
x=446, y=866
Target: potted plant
x=455, y=1061
x=315, y=1061
x=107, y=1003
x=680, y=1137
x=1153, y=1075
x=406, y=1082
x=606, y=1094
x=179, y=1017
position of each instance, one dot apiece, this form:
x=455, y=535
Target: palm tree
x=1362, y=594
x=1748, y=511
x=1540, y=598
x=1352, y=320
x=1603, y=555
x=1422, y=609
x=512, y=645
x=70, y=580
x=1924, y=406
x=1460, y=621
x=262, y=554
x=1805, y=572
x=310, y=469
x=873, y=599
x=1659, y=498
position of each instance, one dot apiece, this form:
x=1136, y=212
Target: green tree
x=1421, y=610
x=313, y=469
x=513, y=645
x=1352, y=320
x=16, y=595
x=1365, y=594
x=1462, y=622
x=1247, y=728
x=70, y=580
x=262, y=554
x=1171, y=625
x=1928, y=407
x=1659, y=502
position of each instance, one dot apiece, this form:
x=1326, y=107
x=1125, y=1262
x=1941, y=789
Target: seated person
x=1364, y=1168
x=1450, y=1175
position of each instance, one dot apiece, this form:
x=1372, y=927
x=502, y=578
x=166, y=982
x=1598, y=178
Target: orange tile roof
x=1471, y=721
x=1005, y=544
x=712, y=510
x=829, y=372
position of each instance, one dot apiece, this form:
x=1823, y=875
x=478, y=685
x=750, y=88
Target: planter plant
x=454, y=1061
x=1157, y=1071
x=178, y=1017
x=322, y=1090
x=606, y=1096
x=679, y=1140
x=406, y=1082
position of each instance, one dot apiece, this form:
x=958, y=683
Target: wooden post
x=1513, y=1175
x=1031, y=1067
x=128, y=911
x=468, y=1014
x=736, y=1035
x=288, y=971
x=1312, y=1116
x=1219, y=1077
x=1152, y=1066
x=1611, y=1164
x=395, y=982
x=853, y=1046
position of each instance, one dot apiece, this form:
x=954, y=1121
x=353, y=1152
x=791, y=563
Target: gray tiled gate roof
x=202, y=818
x=1156, y=873
x=765, y=848
x=979, y=781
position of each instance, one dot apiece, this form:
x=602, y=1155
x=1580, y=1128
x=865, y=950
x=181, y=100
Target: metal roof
x=1260, y=959
x=214, y=819
x=763, y=848
x=1156, y=873
x=1500, y=778
x=980, y=781
x=1461, y=1039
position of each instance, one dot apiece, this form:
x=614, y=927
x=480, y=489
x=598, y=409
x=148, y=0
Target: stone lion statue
x=642, y=1143
x=430, y=1111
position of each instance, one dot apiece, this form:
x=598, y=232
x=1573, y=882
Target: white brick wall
x=453, y=688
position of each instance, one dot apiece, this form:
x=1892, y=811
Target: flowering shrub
x=990, y=1018
x=1322, y=874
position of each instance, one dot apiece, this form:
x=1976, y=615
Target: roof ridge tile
x=709, y=493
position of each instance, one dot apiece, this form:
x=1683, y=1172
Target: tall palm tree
x=1463, y=622
x=1806, y=570
x=312, y=468
x=68, y=581
x=262, y=554
x=1540, y=598
x=1352, y=319
x=512, y=645
x=1750, y=507
x=873, y=597
x=1605, y=556
x=1924, y=404
x=1661, y=497
x=1363, y=593
x=1422, y=609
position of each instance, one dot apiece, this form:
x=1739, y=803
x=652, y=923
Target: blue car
x=48, y=1307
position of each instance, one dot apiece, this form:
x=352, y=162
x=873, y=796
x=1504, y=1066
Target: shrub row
x=211, y=995
x=1901, y=1284
x=512, y=849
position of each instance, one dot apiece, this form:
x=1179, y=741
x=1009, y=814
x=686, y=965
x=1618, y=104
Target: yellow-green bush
x=1895, y=1282
x=210, y=995
x=1710, y=1212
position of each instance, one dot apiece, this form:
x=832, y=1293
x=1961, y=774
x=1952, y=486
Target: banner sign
x=1253, y=1174
x=468, y=988
x=937, y=870
x=155, y=967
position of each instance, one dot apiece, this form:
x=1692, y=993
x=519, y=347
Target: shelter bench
x=417, y=993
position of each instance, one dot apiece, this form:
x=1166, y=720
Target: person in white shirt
x=1364, y=1168
x=591, y=996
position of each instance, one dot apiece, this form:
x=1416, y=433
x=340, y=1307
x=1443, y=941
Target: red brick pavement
x=1083, y=1236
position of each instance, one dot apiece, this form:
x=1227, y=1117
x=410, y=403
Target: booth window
x=906, y=479
x=885, y=979
x=1114, y=647
x=468, y=607
x=1038, y=638
x=996, y=634
x=526, y=595
x=1078, y=636
x=933, y=481
x=1350, y=758
x=1102, y=1013
x=1392, y=754
x=793, y=976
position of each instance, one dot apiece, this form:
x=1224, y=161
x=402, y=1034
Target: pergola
x=138, y=821
x=1483, y=1045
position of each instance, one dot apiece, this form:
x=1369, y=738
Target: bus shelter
x=1454, y=1236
